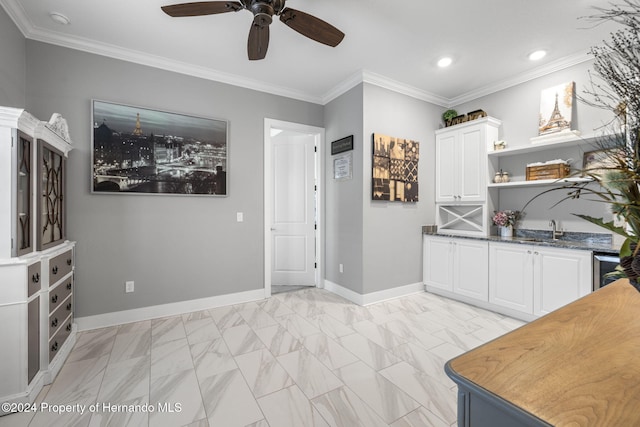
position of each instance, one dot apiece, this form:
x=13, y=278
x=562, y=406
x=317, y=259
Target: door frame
x=319, y=135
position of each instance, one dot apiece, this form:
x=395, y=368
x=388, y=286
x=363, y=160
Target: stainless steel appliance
x=603, y=264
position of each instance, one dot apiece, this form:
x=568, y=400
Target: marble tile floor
x=303, y=358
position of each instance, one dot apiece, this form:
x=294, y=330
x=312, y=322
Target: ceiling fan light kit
x=263, y=12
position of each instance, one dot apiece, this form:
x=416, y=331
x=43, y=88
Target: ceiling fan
x=263, y=12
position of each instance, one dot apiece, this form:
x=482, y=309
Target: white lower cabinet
x=561, y=277
x=524, y=281
x=511, y=276
x=456, y=265
x=537, y=280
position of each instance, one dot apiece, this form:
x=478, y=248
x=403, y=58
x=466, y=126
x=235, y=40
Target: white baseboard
x=172, y=309
x=373, y=297
x=165, y=310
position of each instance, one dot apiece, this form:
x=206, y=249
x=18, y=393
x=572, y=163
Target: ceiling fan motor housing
x=262, y=13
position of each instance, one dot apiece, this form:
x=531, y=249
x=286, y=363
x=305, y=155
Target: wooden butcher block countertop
x=577, y=366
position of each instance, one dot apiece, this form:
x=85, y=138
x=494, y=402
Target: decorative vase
x=506, y=231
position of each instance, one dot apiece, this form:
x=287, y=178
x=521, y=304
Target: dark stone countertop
x=596, y=242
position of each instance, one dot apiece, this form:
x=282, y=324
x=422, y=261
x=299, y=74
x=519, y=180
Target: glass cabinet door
x=51, y=210
x=23, y=221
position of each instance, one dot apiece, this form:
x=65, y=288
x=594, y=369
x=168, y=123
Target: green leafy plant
x=615, y=86
x=448, y=115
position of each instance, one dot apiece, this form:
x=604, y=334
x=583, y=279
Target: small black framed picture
x=342, y=145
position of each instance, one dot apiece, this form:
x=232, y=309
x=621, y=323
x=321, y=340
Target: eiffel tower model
x=556, y=122
x=138, y=130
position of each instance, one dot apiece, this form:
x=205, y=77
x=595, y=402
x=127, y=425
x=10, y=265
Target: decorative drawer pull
x=68, y=328
x=54, y=322
x=54, y=347
x=54, y=270
x=35, y=278
x=69, y=261
x=69, y=307
x=54, y=299
x=69, y=285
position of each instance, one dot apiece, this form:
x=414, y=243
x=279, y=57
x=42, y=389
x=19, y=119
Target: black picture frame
x=342, y=145
x=139, y=150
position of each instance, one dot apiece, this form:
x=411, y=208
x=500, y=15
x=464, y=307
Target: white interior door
x=293, y=219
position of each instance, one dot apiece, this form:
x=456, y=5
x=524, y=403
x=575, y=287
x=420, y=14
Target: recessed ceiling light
x=538, y=54
x=59, y=18
x=444, y=62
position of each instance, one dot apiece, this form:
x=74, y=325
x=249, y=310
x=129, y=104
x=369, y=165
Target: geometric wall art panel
x=395, y=169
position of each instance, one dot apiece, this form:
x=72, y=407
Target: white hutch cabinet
x=36, y=259
x=461, y=176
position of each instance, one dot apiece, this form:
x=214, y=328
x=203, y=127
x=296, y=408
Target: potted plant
x=505, y=220
x=615, y=86
x=448, y=115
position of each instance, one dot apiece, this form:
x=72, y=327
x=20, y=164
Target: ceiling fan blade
x=258, y=42
x=201, y=8
x=312, y=27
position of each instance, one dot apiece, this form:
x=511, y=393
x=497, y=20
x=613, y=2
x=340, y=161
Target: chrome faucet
x=555, y=233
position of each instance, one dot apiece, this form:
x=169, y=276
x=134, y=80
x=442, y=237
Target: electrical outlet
x=341, y=267
x=128, y=286
x=239, y=216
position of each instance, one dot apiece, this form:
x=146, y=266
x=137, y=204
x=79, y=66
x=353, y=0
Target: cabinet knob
x=69, y=307
x=535, y=253
x=69, y=261
x=54, y=322
x=54, y=347
x=68, y=328
x=54, y=299
x=69, y=285
x=54, y=270
x=35, y=278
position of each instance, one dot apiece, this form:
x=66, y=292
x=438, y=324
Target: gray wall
x=379, y=243
x=518, y=108
x=392, y=248
x=175, y=248
x=12, y=64
x=343, y=199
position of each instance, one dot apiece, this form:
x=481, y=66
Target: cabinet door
x=511, y=276
x=471, y=171
x=471, y=269
x=446, y=168
x=561, y=276
x=24, y=225
x=51, y=203
x=33, y=338
x=438, y=262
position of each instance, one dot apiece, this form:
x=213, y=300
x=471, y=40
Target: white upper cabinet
x=461, y=173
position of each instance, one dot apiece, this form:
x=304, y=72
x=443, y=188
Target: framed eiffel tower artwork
x=138, y=150
x=556, y=109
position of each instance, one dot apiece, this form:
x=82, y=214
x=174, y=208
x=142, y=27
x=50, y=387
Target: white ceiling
x=391, y=43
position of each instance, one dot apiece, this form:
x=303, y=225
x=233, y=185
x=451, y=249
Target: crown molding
x=396, y=86
x=141, y=58
x=552, y=67
x=346, y=85
x=20, y=18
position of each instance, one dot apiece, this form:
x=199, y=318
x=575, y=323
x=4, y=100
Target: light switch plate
x=240, y=216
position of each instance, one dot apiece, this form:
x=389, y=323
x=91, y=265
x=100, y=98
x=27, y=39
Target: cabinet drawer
x=33, y=278
x=56, y=342
x=57, y=318
x=60, y=293
x=60, y=266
